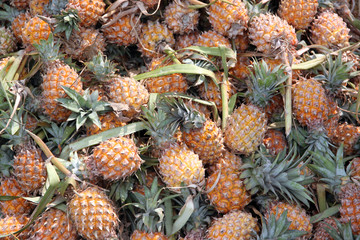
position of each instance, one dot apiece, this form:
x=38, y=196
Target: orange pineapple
x=242, y=42
x=186, y=40
x=180, y=18
x=108, y=121
x=169, y=83
x=29, y=168
x=228, y=18
x=10, y=187
x=299, y=13
x=37, y=6
x=355, y=167
x=140, y=235
x=349, y=210
x=18, y=23
x=53, y=224
x=233, y=225
x=123, y=31
x=330, y=30
x=89, y=10
x=11, y=224
x=228, y=191
x=275, y=106
x=347, y=134
x=212, y=39
x=20, y=4
x=241, y=68
x=93, y=214
x=229, y=160
x=115, y=158
x=35, y=30
x=153, y=38
x=275, y=141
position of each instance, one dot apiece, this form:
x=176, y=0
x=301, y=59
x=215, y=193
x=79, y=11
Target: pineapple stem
x=224, y=93
x=288, y=112
x=171, y=53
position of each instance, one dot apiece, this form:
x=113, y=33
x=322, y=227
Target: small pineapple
x=53, y=224
x=348, y=135
x=349, y=210
x=89, y=10
x=228, y=18
x=275, y=141
x=11, y=224
x=226, y=191
x=93, y=214
x=35, y=30
x=29, y=168
x=115, y=158
x=298, y=13
x=233, y=225
x=180, y=18
x=330, y=30
x=153, y=38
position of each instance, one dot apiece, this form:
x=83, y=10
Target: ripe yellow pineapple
x=330, y=30
x=29, y=168
x=53, y=224
x=228, y=191
x=275, y=141
x=89, y=10
x=268, y=32
x=180, y=18
x=228, y=18
x=246, y=126
x=347, y=134
x=93, y=214
x=18, y=23
x=228, y=160
x=169, y=83
x=299, y=13
x=11, y=224
x=153, y=38
x=349, y=210
x=123, y=31
x=233, y=225
x=10, y=187
x=295, y=214
x=115, y=158
x=35, y=30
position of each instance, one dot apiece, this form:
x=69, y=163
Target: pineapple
x=186, y=40
x=93, y=214
x=115, y=158
x=355, y=167
x=342, y=231
x=241, y=68
x=140, y=235
x=226, y=191
x=321, y=232
x=347, y=134
x=267, y=32
x=56, y=74
x=298, y=13
x=242, y=42
x=212, y=39
x=53, y=224
x=228, y=18
x=18, y=23
x=7, y=41
x=153, y=38
x=296, y=215
x=177, y=164
x=11, y=224
x=228, y=160
x=329, y=30
x=10, y=187
x=122, y=32
x=35, y=30
x=349, y=210
x=275, y=141
x=246, y=126
x=181, y=19
x=233, y=225
x=175, y=82
x=20, y=4
x=275, y=107
x=108, y=121
x=37, y=7
x=29, y=168
x=89, y=10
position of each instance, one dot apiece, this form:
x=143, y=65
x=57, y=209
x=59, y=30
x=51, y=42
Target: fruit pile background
x=159, y=119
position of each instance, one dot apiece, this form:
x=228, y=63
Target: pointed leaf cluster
x=101, y=67
x=342, y=232
x=85, y=108
x=278, y=175
x=264, y=83
x=67, y=22
x=48, y=49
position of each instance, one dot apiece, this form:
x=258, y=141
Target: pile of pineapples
x=149, y=119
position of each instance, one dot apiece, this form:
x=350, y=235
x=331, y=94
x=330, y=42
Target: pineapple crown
x=57, y=135
x=158, y=126
x=342, y=231
x=181, y=114
x=256, y=8
x=335, y=72
x=101, y=67
x=264, y=82
x=48, y=49
x=85, y=108
x=279, y=175
x=151, y=215
x=278, y=228
x=67, y=22
x=318, y=141
x=55, y=7
x=331, y=170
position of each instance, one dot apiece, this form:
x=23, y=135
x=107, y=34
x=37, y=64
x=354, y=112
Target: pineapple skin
x=7, y=41
x=122, y=32
x=229, y=18
x=349, y=210
x=35, y=30
x=236, y=225
x=53, y=224
x=141, y=235
x=179, y=164
x=10, y=224
x=108, y=121
x=116, y=158
x=298, y=13
x=245, y=129
x=181, y=19
x=320, y=229
x=93, y=214
x=229, y=193
x=347, y=134
x=18, y=24
x=89, y=10
x=275, y=141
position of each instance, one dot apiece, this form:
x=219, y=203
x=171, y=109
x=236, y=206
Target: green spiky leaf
x=67, y=22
